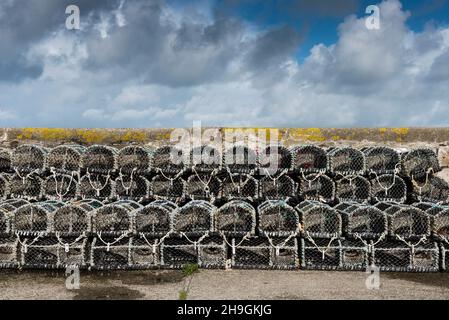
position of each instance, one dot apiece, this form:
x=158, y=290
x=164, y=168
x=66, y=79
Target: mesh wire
x=163, y=160
x=6, y=211
x=100, y=159
x=346, y=160
x=277, y=218
x=96, y=186
x=136, y=159
x=203, y=186
x=30, y=187
x=317, y=186
x=205, y=158
x=239, y=186
x=417, y=163
x=132, y=187
x=194, y=219
x=61, y=186
x=9, y=252
x=277, y=187
x=320, y=254
x=444, y=257
x=235, y=218
x=353, y=188
x=309, y=158
x=240, y=159
x=114, y=219
x=5, y=160
x=381, y=160
x=109, y=253
x=155, y=219
x=29, y=158
x=144, y=253
x=33, y=219
x=212, y=253
x=274, y=159
x=74, y=219
x=168, y=187
x=432, y=189
x=319, y=220
x=4, y=186
x=65, y=158
x=439, y=216
x=388, y=188
x=178, y=252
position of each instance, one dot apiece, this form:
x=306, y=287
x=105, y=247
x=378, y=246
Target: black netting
x=98, y=186
x=66, y=158
x=155, y=219
x=6, y=211
x=381, y=159
x=239, y=186
x=132, y=187
x=5, y=160
x=235, y=218
x=168, y=187
x=388, y=187
x=9, y=253
x=445, y=256
x=134, y=159
x=212, y=252
x=320, y=254
x=277, y=187
x=277, y=218
x=319, y=220
x=203, y=186
x=407, y=222
x=346, y=160
x=168, y=159
x=32, y=219
x=100, y=159
x=194, y=219
x=205, y=158
x=74, y=219
x=309, y=159
x=29, y=158
x=439, y=216
x=240, y=159
x=61, y=187
x=317, y=186
x=109, y=253
x=114, y=219
x=419, y=162
x=144, y=253
x=4, y=186
x=353, y=188
x=29, y=186
x=431, y=189
x=355, y=255
x=178, y=252
x=275, y=158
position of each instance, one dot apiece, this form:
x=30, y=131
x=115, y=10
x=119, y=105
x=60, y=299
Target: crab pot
x=155, y=219
x=168, y=159
x=32, y=219
x=100, y=159
x=239, y=186
x=319, y=220
x=205, y=159
x=321, y=254
x=212, y=253
x=178, y=252
x=309, y=159
x=110, y=254
x=381, y=160
x=135, y=159
x=275, y=159
x=29, y=187
x=4, y=186
x=346, y=160
x=203, y=186
x=61, y=187
x=66, y=158
x=364, y=221
x=114, y=219
x=407, y=222
x=168, y=188
x=416, y=163
x=353, y=188
x=400, y=257
x=434, y=189
x=277, y=188
x=5, y=160
x=9, y=253
x=440, y=222
x=240, y=159
x=73, y=219
x=235, y=218
x=144, y=253
x=194, y=219
x=277, y=218
x=29, y=158
x=132, y=187
x=262, y=253
x=389, y=188
x=317, y=187
x=53, y=253
x=97, y=186
x=445, y=256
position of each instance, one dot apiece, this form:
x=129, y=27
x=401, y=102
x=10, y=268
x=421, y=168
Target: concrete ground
x=220, y=284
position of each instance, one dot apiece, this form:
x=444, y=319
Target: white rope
x=131, y=180
x=24, y=245
x=26, y=177
x=206, y=185
x=412, y=246
x=283, y=245
x=319, y=248
x=241, y=184
x=109, y=244
x=68, y=245
x=318, y=175
x=156, y=242
x=245, y=238
x=416, y=185
x=195, y=243
x=59, y=193
x=98, y=190
x=368, y=245
x=171, y=179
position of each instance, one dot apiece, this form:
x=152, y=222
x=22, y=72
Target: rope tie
x=195, y=243
x=109, y=244
x=130, y=183
x=98, y=190
x=282, y=245
x=27, y=176
x=323, y=252
x=68, y=245
x=156, y=242
x=233, y=246
x=241, y=184
x=370, y=247
x=206, y=185
x=412, y=246
x=171, y=179
x=417, y=186
x=24, y=245
x=59, y=193
x=317, y=175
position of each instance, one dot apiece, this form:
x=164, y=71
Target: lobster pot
x=309, y=159
x=317, y=187
x=33, y=219
x=203, y=186
x=155, y=219
x=194, y=218
x=353, y=188
x=445, y=256
x=265, y=253
x=168, y=188
x=100, y=159
x=239, y=186
x=144, y=253
x=235, y=218
x=212, y=253
x=133, y=187
x=401, y=257
x=277, y=188
x=61, y=187
x=54, y=253
x=275, y=159
x=178, y=252
x=66, y=158
x=439, y=216
x=29, y=187
x=319, y=220
x=4, y=186
x=407, y=222
x=109, y=253
x=205, y=159
x=29, y=158
x=346, y=160
x=417, y=163
x=363, y=221
x=389, y=188
x=74, y=219
x=381, y=160
x=434, y=189
x=277, y=218
x=240, y=159
x=96, y=186
x=135, y=159
x=9, y=253
x=5, y=160
x=114, y=219
x=168, y=159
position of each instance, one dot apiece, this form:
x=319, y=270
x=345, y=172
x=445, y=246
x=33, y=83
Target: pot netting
x=61, y=187
x=346, y=160
x=407, y=222
x=34, y=219
x=109, y=253
x=178, y=252
x=168, y=159
x=239, y=186
x=66, y=159
x=203, y=186
x=9, y=252
x=432, y=189
x=74, y=219
x=144, y=253
x=132, y=187
x=274, y=159
x=98, y=186
x=309, y=159
x=100, y=159
x=419, y=162
x=381, y=160
x=353, y=188
x=388, y=188
x=29, y=158
x=29, y=187
x=4, y=186
x=170, y=188
x=277, y=218
x=240, y=159
x=212, y=252
x=235, y=218
x=194, y=219
x=319, y=220
x=6, y=211
x=5, y=160
x=205, y=159
x=277, y=187
x=317, y=186
x=114, y=219
x=155, y=219
x=135, y=159
x=440, y=222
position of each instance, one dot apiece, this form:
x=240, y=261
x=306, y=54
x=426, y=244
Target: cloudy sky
x=290, y=63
